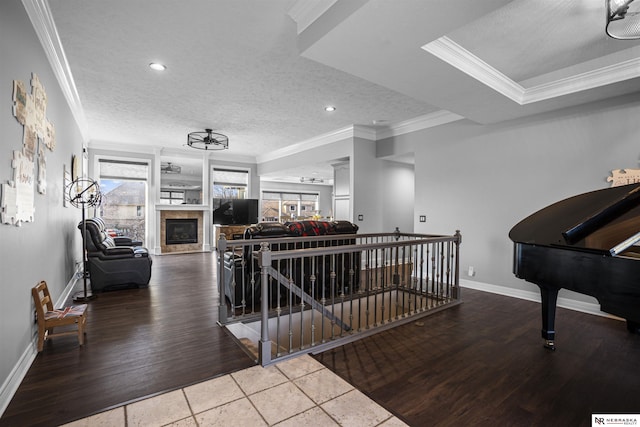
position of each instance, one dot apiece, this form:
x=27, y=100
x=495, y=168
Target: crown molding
x=306, y=12
x=42, y=20
x=419, y=123
x=457, y=56
x=365, y=132
x=588, y=80
x=122, y=147
x=318, y=141
x=153, y=150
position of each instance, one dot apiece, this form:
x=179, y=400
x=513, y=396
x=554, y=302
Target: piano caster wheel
x=549, y=344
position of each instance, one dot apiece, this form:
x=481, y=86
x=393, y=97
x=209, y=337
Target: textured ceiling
x=232, y=66
x=554, y=35
x=250, y=69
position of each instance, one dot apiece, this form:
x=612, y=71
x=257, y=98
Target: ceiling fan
x=208, y=140
x=169, y=168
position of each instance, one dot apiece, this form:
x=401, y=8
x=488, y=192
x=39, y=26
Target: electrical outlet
x=471, y=272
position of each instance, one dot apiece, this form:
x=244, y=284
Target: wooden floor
x=481, y=363
x=139, y=343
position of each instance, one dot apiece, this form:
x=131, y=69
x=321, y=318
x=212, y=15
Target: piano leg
x=549, y=296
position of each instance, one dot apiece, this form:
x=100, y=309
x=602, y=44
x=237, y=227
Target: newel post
x=264, y=346
x=458, y=237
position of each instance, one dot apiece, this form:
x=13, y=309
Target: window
x=230, y=184
x=124, y=196
x=172, y=197
x=283, y=207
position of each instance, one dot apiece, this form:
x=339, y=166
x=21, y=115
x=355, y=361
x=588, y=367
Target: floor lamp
x=84, y=193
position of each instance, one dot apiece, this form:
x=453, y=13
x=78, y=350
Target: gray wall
x=367, y=196
x=396, y=196
x=47, y=248
x=484, y=179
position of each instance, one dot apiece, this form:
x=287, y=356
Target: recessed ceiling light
x=157, y=66
x=329, y=108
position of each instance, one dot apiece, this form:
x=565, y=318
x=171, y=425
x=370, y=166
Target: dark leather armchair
x=114, y=263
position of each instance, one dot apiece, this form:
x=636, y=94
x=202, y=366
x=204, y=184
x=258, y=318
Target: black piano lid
x=606, y=220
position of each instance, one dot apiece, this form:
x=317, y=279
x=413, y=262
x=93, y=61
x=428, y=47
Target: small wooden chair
x=48, y=317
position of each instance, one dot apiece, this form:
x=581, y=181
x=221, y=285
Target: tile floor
x=291, y=393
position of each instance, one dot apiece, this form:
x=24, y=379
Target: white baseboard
x=16, y=376
x=66, y=293
x=581, y=306
x=19, y=371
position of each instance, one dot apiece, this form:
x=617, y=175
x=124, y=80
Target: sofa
x=243, y=268
x=114, y=262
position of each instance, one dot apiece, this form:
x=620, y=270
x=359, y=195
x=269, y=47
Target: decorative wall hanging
x=17, y=203
x=18, y=195
x=42, y=170
x=624, y=177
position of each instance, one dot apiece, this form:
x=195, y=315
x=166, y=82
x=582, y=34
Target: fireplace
x=181, y=231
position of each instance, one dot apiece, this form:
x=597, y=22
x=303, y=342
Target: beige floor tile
x=314, y=417
x=114, y=417
x=393, y=422
x=355, y=409
x=160, y=410
x=257, y=378
x=237, y=413
x=299, y=366
x=281, y=402
x=212, y=393
x=187, y=422
x=323, y=385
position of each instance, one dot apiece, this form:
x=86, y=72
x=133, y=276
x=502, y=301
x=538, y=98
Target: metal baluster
x=368, y=286
x=447, y=283
x=278, y=315
x=381, y=284
x=313, y=311
x=332, y=283
x=441, y=271
x=302, y=305
x=291, y=299
x=351, y=288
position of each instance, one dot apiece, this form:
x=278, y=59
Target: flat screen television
x=235, y=211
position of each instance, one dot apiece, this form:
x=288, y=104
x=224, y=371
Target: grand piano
x=589, y=244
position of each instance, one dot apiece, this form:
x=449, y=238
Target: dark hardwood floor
x=139, y=342
x=481, y=363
